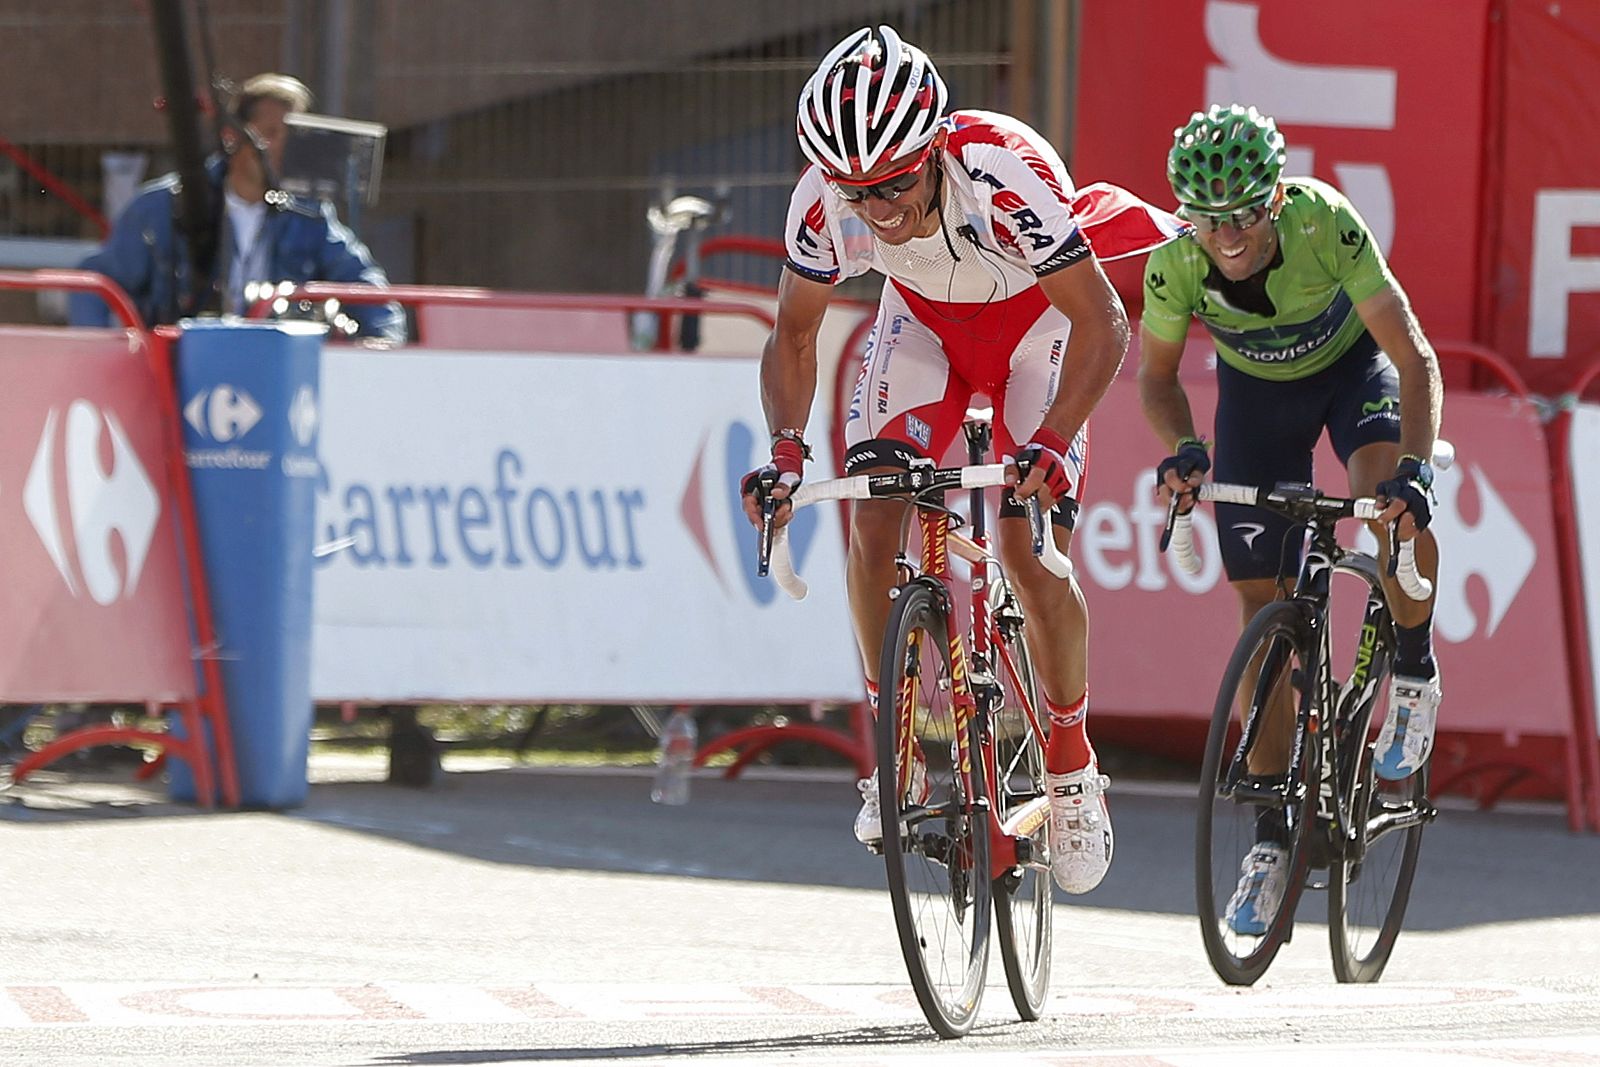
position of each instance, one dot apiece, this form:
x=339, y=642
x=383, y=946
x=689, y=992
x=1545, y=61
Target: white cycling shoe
x=1080, y=828
x=1262, y=880
x=869, y=821
x=1406, y=740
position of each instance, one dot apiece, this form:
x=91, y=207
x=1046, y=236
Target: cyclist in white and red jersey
x=994, y=287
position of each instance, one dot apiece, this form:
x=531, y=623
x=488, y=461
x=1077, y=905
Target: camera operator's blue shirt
x=306, y=242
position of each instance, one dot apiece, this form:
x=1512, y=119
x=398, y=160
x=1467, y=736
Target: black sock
x=1271, y=827
x=1413, y=654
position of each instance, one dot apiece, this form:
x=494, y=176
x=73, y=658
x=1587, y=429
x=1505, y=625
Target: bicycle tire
x=937, y=853
x=1225, y=829
x=1369, y=887
x=1023, y=901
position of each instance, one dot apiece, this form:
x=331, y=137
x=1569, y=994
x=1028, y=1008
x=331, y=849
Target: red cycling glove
x=1047, y=452
x=787, y=467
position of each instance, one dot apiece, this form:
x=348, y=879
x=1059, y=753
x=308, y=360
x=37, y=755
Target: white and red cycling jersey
x=1004, y=188
x=962, y=311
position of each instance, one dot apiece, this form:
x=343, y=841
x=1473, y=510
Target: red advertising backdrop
x=1544, y=288
x=1384, y=100
x=92, y=606
x=1160, y=638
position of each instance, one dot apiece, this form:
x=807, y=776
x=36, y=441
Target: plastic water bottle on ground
x=675, y=758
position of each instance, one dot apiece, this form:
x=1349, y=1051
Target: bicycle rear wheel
x=1022, y=896
x=1369, y=885
x=935, y=848
x=1274, y=652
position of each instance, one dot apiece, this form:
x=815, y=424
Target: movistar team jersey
x=1330, y=263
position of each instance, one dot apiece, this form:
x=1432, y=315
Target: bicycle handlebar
x=1180, y=532
x=779, y=561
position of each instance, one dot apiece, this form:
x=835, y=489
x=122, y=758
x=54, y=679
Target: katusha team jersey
x=1007, y=220
x=1327, y=263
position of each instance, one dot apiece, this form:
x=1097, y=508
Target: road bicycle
x=964, y=701
x=1349, y=832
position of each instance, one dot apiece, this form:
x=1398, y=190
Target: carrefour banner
x=505, y=526
x=92, y=603
x=1498, y=612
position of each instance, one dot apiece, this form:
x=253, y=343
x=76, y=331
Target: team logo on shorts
x=919, y=431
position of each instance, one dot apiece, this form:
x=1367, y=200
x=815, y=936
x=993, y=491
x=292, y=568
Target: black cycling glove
x=1190, y=458
x=1412, y=485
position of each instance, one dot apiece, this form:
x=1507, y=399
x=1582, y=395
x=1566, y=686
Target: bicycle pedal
x=1024, y=850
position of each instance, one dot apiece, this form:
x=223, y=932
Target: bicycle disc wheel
x=935, y=847
x=1022, y=896
x=1272, y=653
x=1370, y=885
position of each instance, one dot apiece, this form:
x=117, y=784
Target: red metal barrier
x=1558, y=435
x=138, y=627
x=83, y=281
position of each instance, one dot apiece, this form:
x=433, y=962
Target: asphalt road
x=512, y=915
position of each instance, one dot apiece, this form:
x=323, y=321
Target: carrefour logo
x=499, y=515
x=98, y=503
x=711, y=509
x=222, y=412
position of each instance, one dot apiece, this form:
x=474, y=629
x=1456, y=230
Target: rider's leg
x=1364, y=426
x=1058, y=640
x=1405, y=740
x=1369, y=465
x=1269, y=756
x=877, y=534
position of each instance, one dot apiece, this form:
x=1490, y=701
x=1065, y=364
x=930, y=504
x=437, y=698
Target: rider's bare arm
x=1388, y=318
x=1165, y=404
x=789, y=374
x=789, y=359
x=1096, y=346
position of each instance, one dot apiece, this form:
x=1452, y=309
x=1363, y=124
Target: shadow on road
x=1476, y=867
x=862, y=1037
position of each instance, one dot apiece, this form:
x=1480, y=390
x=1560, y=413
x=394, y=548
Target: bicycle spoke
x=1246, y=897
x=937, y=865
x=1024, y=911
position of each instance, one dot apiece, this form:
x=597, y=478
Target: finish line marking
x=175, y=1004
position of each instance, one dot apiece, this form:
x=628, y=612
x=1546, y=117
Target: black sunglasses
x=891, y=188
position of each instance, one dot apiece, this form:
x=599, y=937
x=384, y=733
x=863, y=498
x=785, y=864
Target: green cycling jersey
x=1327, y=262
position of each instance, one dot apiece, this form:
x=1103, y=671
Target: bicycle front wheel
x=1369, y=884
x=935, y=832
x=1270, y=667
x=1022, y=896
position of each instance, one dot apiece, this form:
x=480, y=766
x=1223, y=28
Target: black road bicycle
x=1349, y=832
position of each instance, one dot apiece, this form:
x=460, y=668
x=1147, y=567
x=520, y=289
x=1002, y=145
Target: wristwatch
x=1423, y=474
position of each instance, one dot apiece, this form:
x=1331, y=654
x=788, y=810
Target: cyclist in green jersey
x=1312, y=332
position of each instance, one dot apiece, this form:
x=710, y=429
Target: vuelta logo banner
x=1544, y=289
x=1498, y=610
x=1358, y=89
x=560, y=528
x=92, y=603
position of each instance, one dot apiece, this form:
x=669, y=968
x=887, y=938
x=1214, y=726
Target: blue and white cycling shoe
x=1255, y=903
x=1406, y=740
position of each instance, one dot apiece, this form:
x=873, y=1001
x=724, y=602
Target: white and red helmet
x=874, y=97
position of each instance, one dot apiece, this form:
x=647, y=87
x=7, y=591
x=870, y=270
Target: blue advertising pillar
x=248, y=394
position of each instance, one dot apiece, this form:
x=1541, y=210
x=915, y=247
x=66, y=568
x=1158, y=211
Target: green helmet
x=1225, y=158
